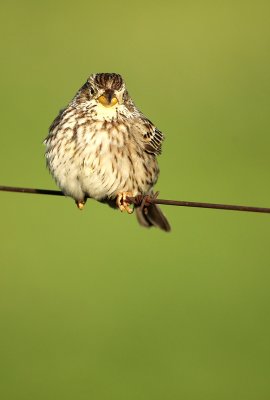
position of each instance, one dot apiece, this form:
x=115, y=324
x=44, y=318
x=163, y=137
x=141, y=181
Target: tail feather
x=152, y=216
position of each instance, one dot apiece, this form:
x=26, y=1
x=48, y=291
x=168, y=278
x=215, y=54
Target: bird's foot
x=80, y=204
x=122, y=202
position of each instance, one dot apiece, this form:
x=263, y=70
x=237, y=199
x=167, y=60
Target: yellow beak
x=107, y=101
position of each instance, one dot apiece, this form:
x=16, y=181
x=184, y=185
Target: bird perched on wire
x=101, y=146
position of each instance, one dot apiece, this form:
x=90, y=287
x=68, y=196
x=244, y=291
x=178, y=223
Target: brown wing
x=150, y=137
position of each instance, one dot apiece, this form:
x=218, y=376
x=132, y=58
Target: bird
x=102, y=147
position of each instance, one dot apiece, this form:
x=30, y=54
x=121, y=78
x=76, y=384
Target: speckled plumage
x=101, y=145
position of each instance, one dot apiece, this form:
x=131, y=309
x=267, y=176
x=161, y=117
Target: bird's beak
x=108, y=99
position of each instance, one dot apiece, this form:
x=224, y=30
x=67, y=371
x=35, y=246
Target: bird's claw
x=80, y=204
x=122, y=202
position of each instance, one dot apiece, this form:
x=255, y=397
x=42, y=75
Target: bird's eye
x=92, y=90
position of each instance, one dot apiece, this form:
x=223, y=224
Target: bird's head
x=106, y=97
x=108, y=89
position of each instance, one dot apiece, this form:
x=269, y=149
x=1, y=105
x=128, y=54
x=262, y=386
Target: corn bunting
x=101, y=146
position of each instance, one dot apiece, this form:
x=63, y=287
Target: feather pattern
x=153, y=138
x=101, y=145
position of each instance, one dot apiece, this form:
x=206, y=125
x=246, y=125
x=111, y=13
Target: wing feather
x=150, y=137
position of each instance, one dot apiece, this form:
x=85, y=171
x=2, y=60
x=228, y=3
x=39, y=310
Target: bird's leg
x=122, y=203
x=80, y=203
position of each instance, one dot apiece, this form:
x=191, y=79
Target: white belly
x=95, y=164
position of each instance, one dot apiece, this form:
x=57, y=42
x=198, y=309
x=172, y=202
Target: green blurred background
x=92, y=305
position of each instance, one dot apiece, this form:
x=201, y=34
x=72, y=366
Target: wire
x=146, y=200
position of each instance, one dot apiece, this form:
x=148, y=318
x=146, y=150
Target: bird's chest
x=100, y=160
x=108, y=159
x=103, y=147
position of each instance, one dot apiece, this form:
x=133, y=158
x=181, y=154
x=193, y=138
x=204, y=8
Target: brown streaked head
x=107, y=88
x=108, y=81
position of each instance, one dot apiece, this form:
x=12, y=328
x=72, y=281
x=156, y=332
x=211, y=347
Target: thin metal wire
x=32, y=191
x=148, y=200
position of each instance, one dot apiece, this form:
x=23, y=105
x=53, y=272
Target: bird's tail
x=152, y=216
